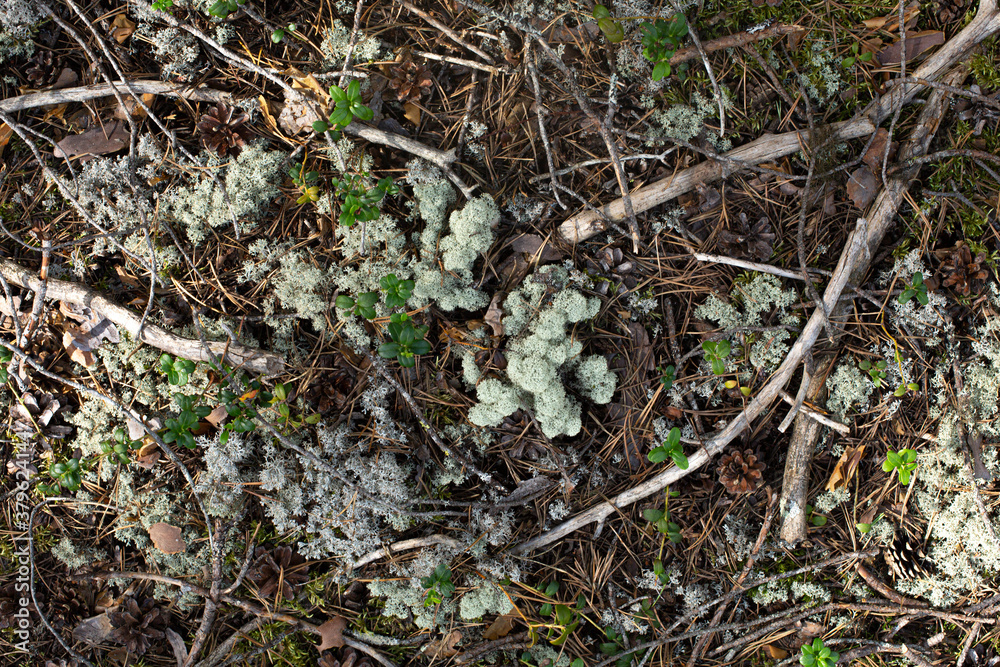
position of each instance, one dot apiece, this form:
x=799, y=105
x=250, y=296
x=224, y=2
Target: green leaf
x=388, y=350
x=865, y=57
x=420, y=347
x=321, y=126
x=363, y=112
x=277, y=35
x=613, y=31
x=818, y=520
x=661, y=70
x=680, y=460
x=723, y=348
x=601, y=12
x=718, y=366
x=344, y=302
x=848, y=62
x=657, y=455
x=864, y=528
x=652, y=515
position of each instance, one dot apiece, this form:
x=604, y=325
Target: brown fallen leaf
x=412, y=113
x=846, y=468
x=916, y=44
x=122, y=28
x=890, y=22
x=500, y=628
x=493, y=315
x=92, y=323
x=529, y=244
x=5, y=134
x=775, y=652
x=93, y=630
x=217, y=416
x=131, y=107
x=332, y=633
x=110, y=138
x=167, y=538
x=268, y=109
x=444, y=647
x=77, y=344
x=862, y=186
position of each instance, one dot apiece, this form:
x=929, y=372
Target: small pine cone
x=748, y=242
x=344, y=657
x=949, y=11
x=136, y=626
x=223, y=130
x=962, y=271
x=410, y=81
x=278, y=567
x=41, y=70
x=740, y=472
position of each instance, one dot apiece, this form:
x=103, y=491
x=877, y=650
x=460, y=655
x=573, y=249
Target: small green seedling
x=865, y=528
x=5, y=357
x=615, y=645
x=613, y=31
x=667, y=377
x=660, y=40
x=716, y=352
x=565, y=619
x=903, y=462
x=178, y=371
x=305, y=182
x=876, y=372
x=363, y=306
x=817, y=520
x=903, y=388
x=854, y=57
x=279, y=33
x=65, y=475
x=396, y=291
x=916, y=288
x=407, y=341
x=438, y=586
x=121, y=447
x=670, y=449
x=661, y=520
x=347, y=106
x=179, y=429
x=162, y=5
x=358, y=203
x=223, y=8
x=733, y=384
x=818, y=655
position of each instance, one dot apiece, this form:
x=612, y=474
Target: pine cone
x=278, y=567
x=517, y=438
x=949, y=11
x=611, y=262
x=222, y=130
x=740, y=472
x=344, y=657
x=748, y=242
x=37, y=414
x=410, y=81
x=136, y=626
x=42, y=70
x=962, y=271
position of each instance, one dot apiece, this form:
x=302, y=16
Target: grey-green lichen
x=849, y=388
x=542, y=355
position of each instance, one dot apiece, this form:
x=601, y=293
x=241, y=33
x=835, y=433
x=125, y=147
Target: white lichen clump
x=541, y=353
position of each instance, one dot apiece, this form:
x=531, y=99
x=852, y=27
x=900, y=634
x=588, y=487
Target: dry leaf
x=890, y=22
x=217, y=416
x=265, y=110
x=66, y=78
x=5, y=134
x=500, y=628
x=332, y=633
x=92, y=323
x=123, y=28
x=493, y=315
x=148, y=454
x=167, y=538
x=775, y=652
x=93, y=630
x=295, y=116
x=54, y=112
x=916, y=44
x=412, y=113
x=444, y=647
x=177, y=644
x=132, y=107
x=303, y=81
x=110, y=138
x=846, y=468
x=862, y=186
x=529, y=244
x=77, y=344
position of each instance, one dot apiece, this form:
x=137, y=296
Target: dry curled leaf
x=332, y=633
x=444, y=647
x=494, y=314
x=500, y=628
x=77, y=344
x=862, y=186
x=122, y=28
x=101, y=140
x=167, y=538
x=916, y=44
x=846, y=468
x=876, y=151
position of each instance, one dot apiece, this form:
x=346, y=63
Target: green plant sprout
x=667, y=377
x=660, y=518
x=733, y=384
x=614, y=645
x=304, y=181
x=121, y=447
x=613, y=31
x=903, y=462
x=817, y=520
x=347, y=106
x=915, y=288
x=438, y=586
x=5, y=358
x=363, y=306
x=660, y=40
x=407, y=341
x=396, y=291
x=279, y=33
x=865, y=528
x=223, y=8
x=65, y=475
x=876, y=372
x=179, y=429
x=358, y=203
x=854, y=57
x=818, y=655
x=670, y=449
x=565, y=619
x=178, y=371
x=162, y=5
x=903, y=388
x=716, y=352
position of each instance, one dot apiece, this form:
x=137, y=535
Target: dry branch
x=252, y=359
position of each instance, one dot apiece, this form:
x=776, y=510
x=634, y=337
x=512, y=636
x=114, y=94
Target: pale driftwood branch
x=84, y=93
x=795, y=481
x=589, y=223
x=405, y=545
x=241, y=356
x=816, y=416
x=736, y=40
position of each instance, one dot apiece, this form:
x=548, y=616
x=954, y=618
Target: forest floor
x=418, y=385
